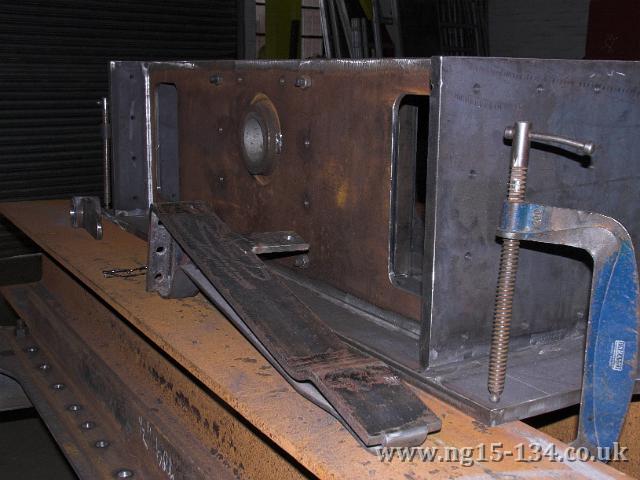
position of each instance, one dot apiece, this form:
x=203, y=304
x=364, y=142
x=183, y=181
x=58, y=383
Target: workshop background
x=54, y=71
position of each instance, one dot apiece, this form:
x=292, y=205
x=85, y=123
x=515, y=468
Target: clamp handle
x=584, y=148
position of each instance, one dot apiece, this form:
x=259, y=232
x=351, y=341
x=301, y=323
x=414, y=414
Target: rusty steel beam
x=156, y=419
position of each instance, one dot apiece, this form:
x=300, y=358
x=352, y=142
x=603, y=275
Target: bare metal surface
x=205, y=344
x=477, y=98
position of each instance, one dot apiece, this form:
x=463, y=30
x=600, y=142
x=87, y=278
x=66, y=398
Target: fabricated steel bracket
x=361, y=391
x=610, y=364
x=86, y=212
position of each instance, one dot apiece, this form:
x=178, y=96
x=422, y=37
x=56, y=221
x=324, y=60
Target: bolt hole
x=160, y=250
x=158, y=276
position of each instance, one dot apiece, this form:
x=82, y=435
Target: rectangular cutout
x=409, y=192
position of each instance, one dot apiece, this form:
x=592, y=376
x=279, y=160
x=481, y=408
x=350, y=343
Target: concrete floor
x=27, y=450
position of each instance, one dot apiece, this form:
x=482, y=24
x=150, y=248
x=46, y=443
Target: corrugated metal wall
x=54, y=68
x=540, y=29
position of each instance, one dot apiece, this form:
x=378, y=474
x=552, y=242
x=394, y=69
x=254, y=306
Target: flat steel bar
x=364, y=390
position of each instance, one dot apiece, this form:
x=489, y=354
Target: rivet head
x=216, y=79
x=282, y=81
x=303, y=82
x=307, y=143
x=58, y=386
x=74, y=407
x=45, y=367
x=88, y=425
x=31, y=349
x=124, y=473
x=102, y=444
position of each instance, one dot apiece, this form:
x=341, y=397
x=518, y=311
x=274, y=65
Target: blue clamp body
x=610, y=365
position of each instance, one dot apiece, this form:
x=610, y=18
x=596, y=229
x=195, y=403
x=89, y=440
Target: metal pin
x=125, y=272
x=124, y=473
x=45, y=367
x=106, y=152
x=102, y=444
x=58, y=386
x=74, y=407
x=31, y=349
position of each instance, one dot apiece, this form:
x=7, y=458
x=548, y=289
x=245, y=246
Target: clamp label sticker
x=616, y=359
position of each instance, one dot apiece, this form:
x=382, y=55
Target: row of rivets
x=75, y=408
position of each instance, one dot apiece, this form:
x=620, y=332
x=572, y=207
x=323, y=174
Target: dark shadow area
x=29, y=452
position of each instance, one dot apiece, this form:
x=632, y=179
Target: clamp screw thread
x=503, y=309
